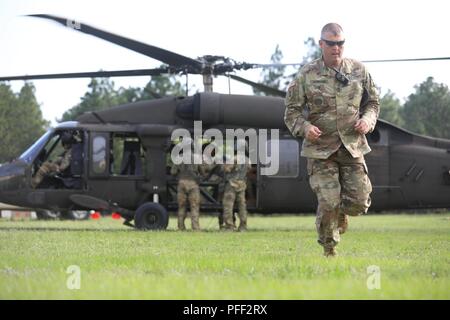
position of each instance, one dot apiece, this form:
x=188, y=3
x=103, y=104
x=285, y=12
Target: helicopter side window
x=99, y=155
x=127, y=154
x=288, y=161
x=379, y=136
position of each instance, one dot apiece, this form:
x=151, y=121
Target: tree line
x=21, y=120
x=425, y=111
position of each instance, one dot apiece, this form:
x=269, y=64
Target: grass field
x=278, y=258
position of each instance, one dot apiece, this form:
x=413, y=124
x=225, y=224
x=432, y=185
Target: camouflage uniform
x=214, y=174
x=211, y=172
x=235, y=186
x=188, y=190
x=336, y=165
x=48, y=167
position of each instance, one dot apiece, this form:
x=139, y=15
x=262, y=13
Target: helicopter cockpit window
x=32, y=152
x=288, y=159
x=127, y=155
x=53, y=166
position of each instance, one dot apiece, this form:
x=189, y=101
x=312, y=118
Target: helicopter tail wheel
x=151, y=216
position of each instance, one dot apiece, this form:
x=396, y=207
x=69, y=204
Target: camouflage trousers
x=342, y=186
x=188, y=191
x=235, y=191
x=46, y=169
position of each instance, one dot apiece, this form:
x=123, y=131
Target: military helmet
x=67, y=138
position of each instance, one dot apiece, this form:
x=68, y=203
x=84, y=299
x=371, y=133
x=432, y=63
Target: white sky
x=243, y=30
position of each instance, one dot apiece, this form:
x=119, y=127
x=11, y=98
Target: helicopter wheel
x=55, y=215
x=151, y=216
x=77, y=215
x=48, y=214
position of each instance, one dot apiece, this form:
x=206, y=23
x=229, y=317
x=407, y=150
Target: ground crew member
x=188, y=191
x=235, y=186
x=213, y=173
x=343, y=105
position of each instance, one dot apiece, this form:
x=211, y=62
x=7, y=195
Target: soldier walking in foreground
x=343, y=106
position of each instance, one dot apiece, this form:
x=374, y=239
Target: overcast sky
x=243, y=30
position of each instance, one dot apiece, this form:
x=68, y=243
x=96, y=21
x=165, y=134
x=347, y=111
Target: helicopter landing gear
x=48, y=214
x=70, y=215
x=151, y=216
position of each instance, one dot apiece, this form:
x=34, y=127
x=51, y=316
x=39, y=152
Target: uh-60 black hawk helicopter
x=119, y=155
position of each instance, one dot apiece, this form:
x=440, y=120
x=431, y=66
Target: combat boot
x=242, y=227
x=195, y=223
x=181, y=225
x=329, y=252
x=228, y=227
x=221, y=222
x=342, y=223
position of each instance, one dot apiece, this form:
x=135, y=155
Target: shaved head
x=332, y=44
x=333, y=28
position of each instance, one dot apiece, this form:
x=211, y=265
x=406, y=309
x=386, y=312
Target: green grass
x=278, y=258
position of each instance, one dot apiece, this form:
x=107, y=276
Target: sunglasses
x=334, y=43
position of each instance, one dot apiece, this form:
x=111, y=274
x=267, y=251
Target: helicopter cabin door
x=116, y=167
x=288, y=189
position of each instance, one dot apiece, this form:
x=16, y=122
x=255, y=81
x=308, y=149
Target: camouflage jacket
x=235, y=172
x=212, y=172
x=186, y=171
x=332, y=107
x=63, y=161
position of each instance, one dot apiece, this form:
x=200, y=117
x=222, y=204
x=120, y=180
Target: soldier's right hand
x=313, y=133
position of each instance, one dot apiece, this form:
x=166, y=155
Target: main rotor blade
x=262, y=87
x=168, y=57
x=272, y=65
x=246, y=66
x=94, y=74
x=405, y=60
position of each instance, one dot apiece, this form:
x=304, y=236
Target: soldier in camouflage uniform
x=342, y=105
x=188, y=190
x=213, y=173
x=235, y=186
x=59, y=165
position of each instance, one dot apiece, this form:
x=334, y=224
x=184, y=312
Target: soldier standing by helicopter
x=188, y=191
x=343, y=106
x=213, y=174
x=235, y=186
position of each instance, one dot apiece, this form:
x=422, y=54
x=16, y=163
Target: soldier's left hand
x=361, y=126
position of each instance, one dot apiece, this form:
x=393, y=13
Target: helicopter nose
x=12, y=179
x=3, y=184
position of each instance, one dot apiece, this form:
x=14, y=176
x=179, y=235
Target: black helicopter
x=119, y=155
